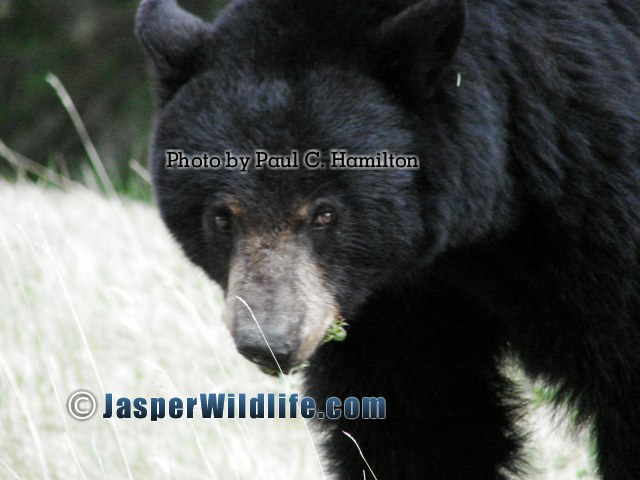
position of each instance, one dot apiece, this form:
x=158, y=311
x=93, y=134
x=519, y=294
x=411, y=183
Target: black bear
x=518, y=234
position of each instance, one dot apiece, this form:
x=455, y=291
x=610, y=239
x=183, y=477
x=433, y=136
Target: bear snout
x=277, y=304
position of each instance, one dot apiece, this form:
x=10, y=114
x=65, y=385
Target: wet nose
x=263, y=356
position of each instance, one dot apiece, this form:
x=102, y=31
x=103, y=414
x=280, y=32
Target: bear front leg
x=433, y=358
x=612, y=400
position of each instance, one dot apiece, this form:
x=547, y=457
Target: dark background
x=90, y=46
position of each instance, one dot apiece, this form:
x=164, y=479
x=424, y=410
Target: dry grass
x=95, y=294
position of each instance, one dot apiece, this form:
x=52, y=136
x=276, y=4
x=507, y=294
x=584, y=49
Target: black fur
x=520, y=232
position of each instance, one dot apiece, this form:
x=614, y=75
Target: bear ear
x=413, y=49
x=173, y=38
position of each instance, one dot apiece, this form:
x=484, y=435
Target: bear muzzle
x=278, y=308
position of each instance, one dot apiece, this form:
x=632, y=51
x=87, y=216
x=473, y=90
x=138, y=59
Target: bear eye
x=222, y=222
x=217, y=219
x=324, y=217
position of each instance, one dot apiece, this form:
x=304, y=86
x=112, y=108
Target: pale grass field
x=95, y=294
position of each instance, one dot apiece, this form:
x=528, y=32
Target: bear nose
x=261, y=355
